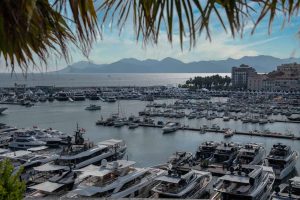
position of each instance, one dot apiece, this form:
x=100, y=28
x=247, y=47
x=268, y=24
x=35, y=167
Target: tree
x=33, y=30
x=11, y=188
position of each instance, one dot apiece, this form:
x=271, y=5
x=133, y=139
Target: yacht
x=182, y=184
x=118, y=179
x=51, y=138
x=228, y=133
x=180, y=158
x=283, y=160
x=62, y=96
x=27, y=159
x=171, y=127
x=288, y=191
x=80, y=155
x=78, y=96
x=55, y=186
x=93, y=107
x=224, y=155
x=119, y=122
x=206, y=150
x=247, y=182
x=25, y=142
x=215, y=127
x=133, y=125
x=250, y=154
x=226, y=118
x=5, y=140
x=2, y=109
x=111, y=99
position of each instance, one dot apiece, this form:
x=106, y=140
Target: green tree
x=32, y=30
x=11, y=188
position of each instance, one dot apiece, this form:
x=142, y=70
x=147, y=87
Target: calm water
x=146, y=146
x=86, y=80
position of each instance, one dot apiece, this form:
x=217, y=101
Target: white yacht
x=206, y=150
x=180, y=158
x=118, y=179
x=29, y=158
x=250, y=154
x=283, y=160
x=288, y=191
x=182, y=184
x=228, y=133
x=171, y=127
x=224, y=155
x=25, y=142
x=54, y=187
x=80, y=155
x=248, y=182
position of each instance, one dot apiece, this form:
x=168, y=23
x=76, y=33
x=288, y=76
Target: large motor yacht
x=206, y=150
x=180, y=158
x=283, y=160
x=27, y=159
x=224, y=155
x=182, y=184
x=118, y=179
x=288, y=191
x=80, y=155
x=55, y=186
x=248, y=182
x=251, y=154
x=25, y=142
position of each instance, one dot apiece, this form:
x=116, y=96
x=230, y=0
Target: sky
x=113, y=46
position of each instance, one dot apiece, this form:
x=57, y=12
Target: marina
x=207, y=108
x=182, y=131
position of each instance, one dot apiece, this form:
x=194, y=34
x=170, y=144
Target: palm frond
x=31, y=30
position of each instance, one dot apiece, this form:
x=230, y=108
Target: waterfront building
x=240, y=76
x=285, y=78
x=255, y=81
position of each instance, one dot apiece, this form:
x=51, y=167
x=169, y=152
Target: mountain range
x=261, y=63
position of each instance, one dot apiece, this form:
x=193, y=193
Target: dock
x=259, y=134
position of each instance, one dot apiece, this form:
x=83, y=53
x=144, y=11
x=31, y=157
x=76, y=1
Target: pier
x=260, y=134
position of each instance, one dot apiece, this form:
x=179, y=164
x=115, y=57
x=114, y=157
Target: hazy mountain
x=171, y=65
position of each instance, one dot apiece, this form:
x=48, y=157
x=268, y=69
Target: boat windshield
x=276, y=163
x=227, y=196
x=295, y=190
x=221, y=157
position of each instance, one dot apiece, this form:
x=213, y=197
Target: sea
x=146, y=146
x=99, y=79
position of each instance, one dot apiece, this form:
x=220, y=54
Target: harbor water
x=146, y=146
x=101, y=79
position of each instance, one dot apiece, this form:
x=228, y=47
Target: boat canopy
x=49, y=167
x=296, y=180
x=87, y=191
x=40, y=148
x=15, y=154
x=110, y=142
x=237, y=179
x=168, y=179
x=84, y=153
x=47, y=186
x=3, y=151
x=100, y=171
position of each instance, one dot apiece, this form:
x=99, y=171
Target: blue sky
x=113, y=46
x=280, y=43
